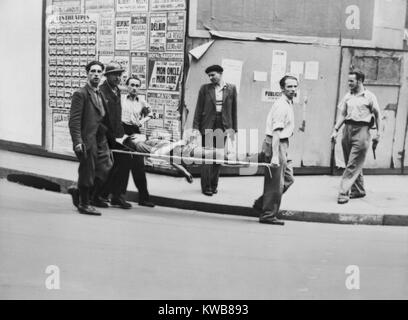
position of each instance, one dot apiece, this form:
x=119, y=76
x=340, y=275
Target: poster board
x=147, y=37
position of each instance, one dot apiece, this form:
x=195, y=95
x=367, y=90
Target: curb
x=292, y=215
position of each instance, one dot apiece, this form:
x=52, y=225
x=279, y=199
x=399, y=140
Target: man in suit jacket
x=88, y=125
x=215, y=116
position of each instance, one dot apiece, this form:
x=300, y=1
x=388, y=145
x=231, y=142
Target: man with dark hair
x=359, y=111
x=215, y=115
x=135, y=112
x=279, y=176
x=88, y=126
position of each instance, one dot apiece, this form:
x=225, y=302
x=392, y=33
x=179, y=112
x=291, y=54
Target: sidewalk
x=311, y=198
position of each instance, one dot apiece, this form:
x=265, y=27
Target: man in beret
x=88, y=126
x=215, y=117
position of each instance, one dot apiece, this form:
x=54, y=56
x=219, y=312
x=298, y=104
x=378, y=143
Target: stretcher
x=169, y=158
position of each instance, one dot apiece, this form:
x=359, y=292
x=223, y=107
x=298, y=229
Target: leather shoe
x=121, y=203
x=74, y=192
x=98, y=202
x=208, y=193
x=87, y=209
x=215, y=191
x=147, y=204
x=357, y=195
x=342, y=199
x=272, y=220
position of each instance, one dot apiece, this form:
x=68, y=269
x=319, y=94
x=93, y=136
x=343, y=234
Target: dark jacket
x=114, y=110
x=204, y=116
x=85, y=118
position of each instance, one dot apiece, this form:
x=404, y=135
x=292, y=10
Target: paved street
x=164, y=253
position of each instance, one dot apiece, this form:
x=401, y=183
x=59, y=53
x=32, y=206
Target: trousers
x=276, y=180
x=355, y=143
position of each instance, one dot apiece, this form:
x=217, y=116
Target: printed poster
x=165, y=71
x=138, y=35
x=61, y=138
x=122, y=33
x=157, y=101
x=158, y=27
x=278, y=70
x=139, y=67
x=106, y=33
x=162, y=5
x=175, y=31
x=99, y=5
x=232, y=72
x=123, y=59
x=66, y=6
x=131, y=5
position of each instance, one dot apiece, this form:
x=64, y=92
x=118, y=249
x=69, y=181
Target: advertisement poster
x=138, y=35
x=122, y=33
x=66, y=6
x=158, y=27
x=106, y=32
x=165, y=70
x=99, y=5
x=131, y=5
x=139, y=67
x=123, y=59
x=164, y=106
x=175, y=31
x=232, y=72
x=61, y=138
x=158, y=5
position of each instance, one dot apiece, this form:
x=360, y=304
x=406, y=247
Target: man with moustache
x=278, y=177
x=359, y=111
x=88, y=125
x=215, y=116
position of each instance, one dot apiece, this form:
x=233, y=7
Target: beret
x=215, y=68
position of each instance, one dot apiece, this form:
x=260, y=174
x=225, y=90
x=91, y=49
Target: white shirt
x=219, y=95
x=131, y=110
x=281, y=117
x=359, y=107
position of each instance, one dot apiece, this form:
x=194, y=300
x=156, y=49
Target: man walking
x=215, y=115
x=278, y=177
x=359, y=111
x=88, y=126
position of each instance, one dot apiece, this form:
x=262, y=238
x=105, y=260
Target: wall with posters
x=256, y=67
x=20, y=84
x=145, y=36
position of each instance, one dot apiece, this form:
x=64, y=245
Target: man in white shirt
x=359, y=110
x=135, y=112
x=279, y=176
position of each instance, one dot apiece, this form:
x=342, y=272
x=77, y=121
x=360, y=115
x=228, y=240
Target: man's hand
x=275, y=161
x=376, y=139
x=80, y=150
x=333, y=136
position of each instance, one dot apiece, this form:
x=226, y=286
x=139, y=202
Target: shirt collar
x=221, y=85
x=96, y=90
x=129, y=97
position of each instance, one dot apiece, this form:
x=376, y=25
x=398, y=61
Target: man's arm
x=377, y=117
x=234, y=109
x=275, y=148
x=199, y=109
x=75, y=119
x=340, y=120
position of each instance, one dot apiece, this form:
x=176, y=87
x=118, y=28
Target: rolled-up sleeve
x=276, y=119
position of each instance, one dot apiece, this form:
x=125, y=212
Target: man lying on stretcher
x=185, y=151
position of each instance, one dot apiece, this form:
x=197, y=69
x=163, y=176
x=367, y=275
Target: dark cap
x=215, y=68
x=114, y=67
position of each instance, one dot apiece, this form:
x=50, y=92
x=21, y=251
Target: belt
x=357, y=123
